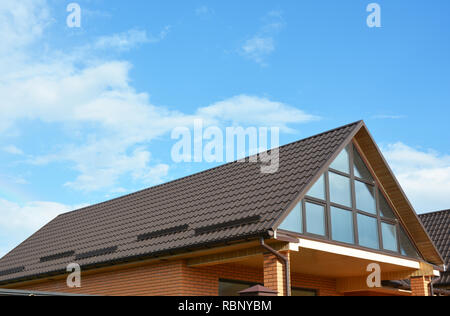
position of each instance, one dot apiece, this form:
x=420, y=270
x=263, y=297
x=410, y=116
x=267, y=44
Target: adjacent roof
x=438, y=226
x=231, y=202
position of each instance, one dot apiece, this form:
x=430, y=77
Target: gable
x=398, y=198
x=346, y=205
x=349, y=204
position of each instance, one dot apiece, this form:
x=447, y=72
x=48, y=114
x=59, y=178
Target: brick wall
x=420, y=286
x=156, y=279
x=173, y=278
x=324, y=286
x=274, y=274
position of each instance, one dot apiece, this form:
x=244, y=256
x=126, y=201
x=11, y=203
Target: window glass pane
x=315, y=219
x=293, y=222
x=342, y=162
x=368, y=231
x=361, y=170
x=365, y=199
x=385, y=209
x=340, y=192
x=318, y=189
x=406, y=247
x=389, y=237
x=342, y=225
x=232, y=288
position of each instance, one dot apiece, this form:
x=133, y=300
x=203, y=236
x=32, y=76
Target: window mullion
x=353, y=192
x=328, y=206
x=377, y=202
x=304, y=216
x=397, y=233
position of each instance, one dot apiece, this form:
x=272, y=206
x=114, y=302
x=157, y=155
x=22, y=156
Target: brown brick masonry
x=173, y=278
x=420, y=286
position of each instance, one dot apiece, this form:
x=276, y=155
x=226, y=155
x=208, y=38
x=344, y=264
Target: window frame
x=378, y=189
x=325, y=221
x=353, y=225
x=328, y=196
x=397, y=237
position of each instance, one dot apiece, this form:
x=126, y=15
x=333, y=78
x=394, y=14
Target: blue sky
x=87, y=113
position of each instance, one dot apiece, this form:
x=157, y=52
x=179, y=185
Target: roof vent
x=163, y=232
x=96, y=253
x=12, y=271
x=229, y=224
x=58, y=256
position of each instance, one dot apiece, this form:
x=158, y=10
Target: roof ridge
x=207, y=170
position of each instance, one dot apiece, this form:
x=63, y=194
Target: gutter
x=286, y=265
x=434, y=280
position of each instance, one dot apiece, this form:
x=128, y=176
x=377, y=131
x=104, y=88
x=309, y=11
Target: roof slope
x=438, y=226
x=166, y=217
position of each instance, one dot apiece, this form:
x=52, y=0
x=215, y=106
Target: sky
x=87, y=113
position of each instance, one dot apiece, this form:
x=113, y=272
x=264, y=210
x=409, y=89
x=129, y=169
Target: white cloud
x=17, y=221
x=21, y=22
x=257, y=111
x=102, y=168
x=13, y=179
x=257, y=48
x=388, y=117
x=101, y=162
x=94, y=96
x=30, y=216
x=101, y=96
x=13, y=150
x=128, y=40
x=204, y=11
x=262, y=45
x=424, y=175
x=154, y=174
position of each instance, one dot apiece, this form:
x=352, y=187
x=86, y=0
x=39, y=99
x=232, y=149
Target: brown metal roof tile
x=226, y=193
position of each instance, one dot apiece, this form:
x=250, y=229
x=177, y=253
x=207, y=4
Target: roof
x=231, y=202
x=258, y=289
x=438, y=226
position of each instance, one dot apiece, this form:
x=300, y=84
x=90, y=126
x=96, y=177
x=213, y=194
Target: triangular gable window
x=360, y=169
x=341, y=163
x=294, y=220
x=406, y=246
x=318, y=189
x=346, y=205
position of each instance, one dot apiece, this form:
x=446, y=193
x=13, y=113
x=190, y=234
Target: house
x=331, y=219
x=438, y=226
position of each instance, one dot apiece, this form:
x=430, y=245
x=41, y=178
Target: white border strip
x=356, y=253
